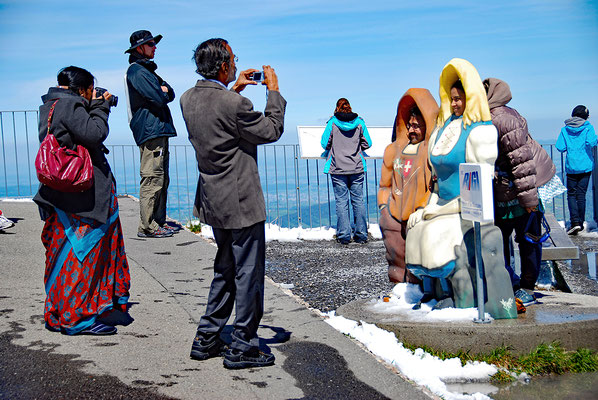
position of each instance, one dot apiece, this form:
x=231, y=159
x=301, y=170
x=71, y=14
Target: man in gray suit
x=225, y=131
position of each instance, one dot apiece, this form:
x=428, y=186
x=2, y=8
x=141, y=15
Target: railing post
x=286, y=185
x=4, y=155
x=267, y=194
x=14, y=133
x=594, y=184
x=297, y=186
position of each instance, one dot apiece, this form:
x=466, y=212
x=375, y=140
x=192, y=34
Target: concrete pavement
x=150, y=356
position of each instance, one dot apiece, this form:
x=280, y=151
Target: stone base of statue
x=498, y=293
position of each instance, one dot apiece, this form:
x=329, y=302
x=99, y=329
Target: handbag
x=61, y=168
x=537, y=239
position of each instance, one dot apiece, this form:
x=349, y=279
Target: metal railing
x=296, y=191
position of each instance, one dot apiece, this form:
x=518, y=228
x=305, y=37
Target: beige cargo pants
x=153, y=188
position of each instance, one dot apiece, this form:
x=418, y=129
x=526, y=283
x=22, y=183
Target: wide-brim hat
x=141, y=37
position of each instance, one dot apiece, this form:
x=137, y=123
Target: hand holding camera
x=270, y=78
x=253, y=76
x=101, y=92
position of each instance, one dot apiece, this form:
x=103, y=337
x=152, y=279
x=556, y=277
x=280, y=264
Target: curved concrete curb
x=568, y=318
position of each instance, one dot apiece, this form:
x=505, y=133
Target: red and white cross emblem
x=407, y=167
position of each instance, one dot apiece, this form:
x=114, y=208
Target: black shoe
x=236, y=359
x=99, y=329
x=202, y=350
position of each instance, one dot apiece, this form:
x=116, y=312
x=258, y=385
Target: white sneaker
x=5, y=223
x=574, y=229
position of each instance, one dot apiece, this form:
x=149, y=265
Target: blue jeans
x=577, y=185
x=345, y=186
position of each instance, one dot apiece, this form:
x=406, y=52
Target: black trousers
x=238, y=281
x=577, y=186
x=531, y=253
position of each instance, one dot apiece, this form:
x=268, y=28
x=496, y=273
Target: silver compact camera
x=257, y=76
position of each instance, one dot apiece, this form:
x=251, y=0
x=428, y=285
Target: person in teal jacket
x=344, y=140
x=578, y=139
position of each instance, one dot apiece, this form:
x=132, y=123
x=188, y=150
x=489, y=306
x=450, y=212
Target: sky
x=370, y=52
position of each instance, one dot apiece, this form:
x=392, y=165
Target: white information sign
x=477, y=203
x=310, y=137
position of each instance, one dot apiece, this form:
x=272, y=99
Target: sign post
x=477, y=205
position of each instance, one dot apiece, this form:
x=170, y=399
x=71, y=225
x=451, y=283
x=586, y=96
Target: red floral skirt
x=87, y=272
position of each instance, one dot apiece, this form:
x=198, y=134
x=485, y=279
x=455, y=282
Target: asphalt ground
x=149, y=357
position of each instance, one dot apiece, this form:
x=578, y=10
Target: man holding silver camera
x=150, y=120
x=225, y=132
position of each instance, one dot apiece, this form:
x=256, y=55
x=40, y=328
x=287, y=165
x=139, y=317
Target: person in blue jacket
x=345, y=139
x=578, y=139
x=150, y=120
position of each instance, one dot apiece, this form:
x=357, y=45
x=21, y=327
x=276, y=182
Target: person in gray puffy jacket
x=345, y=139
x=521, y=167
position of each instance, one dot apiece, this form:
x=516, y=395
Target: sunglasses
x=151, y=44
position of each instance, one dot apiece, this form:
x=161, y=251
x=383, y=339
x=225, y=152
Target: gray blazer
x=225, y=131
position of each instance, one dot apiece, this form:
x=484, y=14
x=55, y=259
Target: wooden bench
x=559, y=248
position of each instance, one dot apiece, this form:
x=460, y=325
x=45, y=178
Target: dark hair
x=415, y=112
x=458, y=85
x=75, y=78
x=581, y=112
x=209, y=56
x=342, y=105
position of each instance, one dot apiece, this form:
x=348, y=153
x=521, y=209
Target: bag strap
x=50, y=115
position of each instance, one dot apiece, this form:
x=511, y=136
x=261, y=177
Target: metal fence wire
x=296, y=191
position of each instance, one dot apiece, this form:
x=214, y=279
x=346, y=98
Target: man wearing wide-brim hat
x=150, y=120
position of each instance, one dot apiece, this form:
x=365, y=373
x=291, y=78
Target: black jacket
x=151, y=116
x=78, y=122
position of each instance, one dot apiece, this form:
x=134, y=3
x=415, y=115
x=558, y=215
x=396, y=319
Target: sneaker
x=525, y=297
x=236, y=359
x=99, y=329
x=574, y=229
x=202, y=350
x=158, y=233
x=5, y=223
x=172, y=228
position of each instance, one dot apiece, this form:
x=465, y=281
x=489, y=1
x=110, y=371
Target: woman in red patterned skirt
x=87, y=273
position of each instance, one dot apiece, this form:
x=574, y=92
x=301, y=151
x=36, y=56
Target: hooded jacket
x=577, y=138
x=522, y=164
x=150, y=115
x=344, y=139
x=78, y=122
x=405, y=177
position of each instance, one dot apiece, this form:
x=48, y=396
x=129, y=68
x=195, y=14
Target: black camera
x=257, y=76
x=113, y=100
